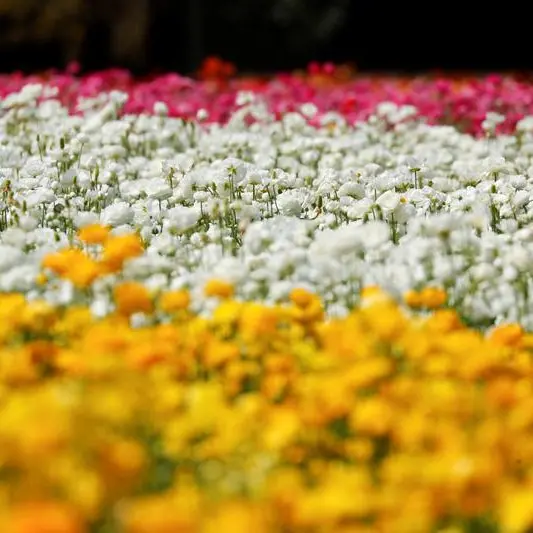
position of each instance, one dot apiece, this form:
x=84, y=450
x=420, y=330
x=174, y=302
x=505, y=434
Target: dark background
x=262, y=36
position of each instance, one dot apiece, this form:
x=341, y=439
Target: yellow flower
x=360, y=449
x=516, y=510
x=218, y=353
x=163, y=513
x=17, y=367
x=131, y=297
x=258, y=322
x=174, y=301
x=280, y=428
x=368, y=371
x=82, y=484
x=237, y=517
x=73, y=322
x=372, y=416
x=385, y=319
x=38, y=315
x=333, y=501
x=227, y=314
x=94, y=234
x=219, y=288
x=41, y=279
x=372, y=294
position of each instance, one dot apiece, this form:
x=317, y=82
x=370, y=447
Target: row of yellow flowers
x=258, y=418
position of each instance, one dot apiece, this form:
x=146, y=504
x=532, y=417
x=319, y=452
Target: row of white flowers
x=271, y=205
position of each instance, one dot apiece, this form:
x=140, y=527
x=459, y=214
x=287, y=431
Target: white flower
x=182, y=218
x=483, y=272
x=510, y=273
x=40, y=196
x=492, y=120
x=161, y=109
x=244, y=98
x=15, y=237
x=27, y=95
x=158, y=189
x=355, y=190
x=19, y=279
x=339, y=242
x=388, y=201
x=521, y=198
x=289, y=203
x=359, y=209
x=404, y=212
x=183, y=163
x=309, y=110
x=202, y=115
x=117, y=214
x=519, y=257
x=508, y=225
x=122, y=229
x=100, y=307
x=85, y=218
x=525, y=124
x=10, y=256
x=386, y=109
x=28, y=223
x=374, y=233
x=68, y=177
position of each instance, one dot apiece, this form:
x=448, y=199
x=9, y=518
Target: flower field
x=295, y=304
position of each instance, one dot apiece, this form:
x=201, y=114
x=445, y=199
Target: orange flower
x=131, y=297
x=118, y=249
x=41, y=350
x=83, y=273
x=312, y=312
x=173, y=301
x=433, y=297
x=219, y=288
x=60, y=262
x=301, y=297
x=507, y=335
x=429, y=297
x=43, y=517
x=444, y=321
x=122, y=460
x=74, y=265
x=412, y=299
x=94, y=234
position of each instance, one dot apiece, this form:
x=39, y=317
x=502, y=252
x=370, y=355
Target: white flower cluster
x=272, y=205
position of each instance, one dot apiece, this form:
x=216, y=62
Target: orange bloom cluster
x=259, y=418
x=79, y=267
